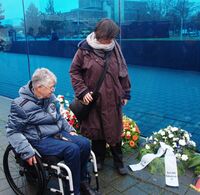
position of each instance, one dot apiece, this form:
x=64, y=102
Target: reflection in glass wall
x=174, y=19
x=14, y=70
x=52, y=20
x=154, y=33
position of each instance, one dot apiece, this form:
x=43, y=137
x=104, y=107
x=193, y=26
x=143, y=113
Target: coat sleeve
x=76, y=73
x=16, y=123
x=66, y=126
x=126, y=85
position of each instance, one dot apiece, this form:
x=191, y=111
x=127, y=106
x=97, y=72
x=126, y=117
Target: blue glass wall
x=160, y=41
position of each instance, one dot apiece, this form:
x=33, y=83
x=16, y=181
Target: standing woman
x=104, y=123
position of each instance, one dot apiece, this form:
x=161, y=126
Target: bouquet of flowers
x=67, y=113
x=130, y=134
x=178, y=139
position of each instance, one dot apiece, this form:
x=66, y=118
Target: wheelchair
x=37, y=179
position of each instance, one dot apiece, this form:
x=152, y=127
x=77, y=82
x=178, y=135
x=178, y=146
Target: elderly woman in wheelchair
x=37, y=134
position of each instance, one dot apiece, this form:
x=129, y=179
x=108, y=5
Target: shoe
x=86, y=189
x=122, y=170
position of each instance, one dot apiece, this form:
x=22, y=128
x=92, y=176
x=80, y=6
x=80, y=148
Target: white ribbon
x=171, y=173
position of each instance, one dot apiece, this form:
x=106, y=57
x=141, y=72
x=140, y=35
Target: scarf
x=95, y=44
x=99, y=49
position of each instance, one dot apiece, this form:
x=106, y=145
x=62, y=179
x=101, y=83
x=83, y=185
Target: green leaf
x=157, y=166
x=197, y=170
x=195, y=161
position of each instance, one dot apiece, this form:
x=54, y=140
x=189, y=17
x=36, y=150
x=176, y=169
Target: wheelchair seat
x=34, y=180
x=51, y=160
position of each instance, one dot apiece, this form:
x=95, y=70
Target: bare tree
x=50, y=7
x=1, y=12
x=179, y=12
x=33, y=20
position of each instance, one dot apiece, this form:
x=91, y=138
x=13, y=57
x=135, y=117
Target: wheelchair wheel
x=22, y=178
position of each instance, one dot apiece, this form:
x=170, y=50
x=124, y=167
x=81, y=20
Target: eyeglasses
x=52, y=89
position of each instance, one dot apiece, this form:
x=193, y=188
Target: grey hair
x=43, y=76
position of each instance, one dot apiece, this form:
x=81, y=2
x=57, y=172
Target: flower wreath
x=179, y=139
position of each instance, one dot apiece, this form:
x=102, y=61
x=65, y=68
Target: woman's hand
x=32, y=160
x=88, y=98
x=124, y=102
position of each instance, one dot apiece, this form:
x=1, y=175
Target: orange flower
x=132, y=144
x=135, y=138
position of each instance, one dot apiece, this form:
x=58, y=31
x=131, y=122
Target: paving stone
x=105, y=188
x=134, y=190
x=180, y=190
x=4, y=184
x=157, y=180
x=143, y=174
x=122, y=184
x=114, y=192
x=147, y=187
x=8, y=191
x=191, y=192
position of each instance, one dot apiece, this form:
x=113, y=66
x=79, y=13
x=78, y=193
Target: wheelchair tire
x=17, y=171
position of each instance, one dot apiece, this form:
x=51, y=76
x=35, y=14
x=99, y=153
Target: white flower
x=171, y=135
x=184, y=157
x=178, y=155
x=175, y=139
x=133, y=128
x=192, y=143
x=67, y=103
x=159, y=132
x=182, y=142
x=154, y=142
x=173, y=129
x=60, y=98
x=186, y=135
x=169, y=127
x=147, y=147
x=128, y=133
x=162, y=133
x=174, y=145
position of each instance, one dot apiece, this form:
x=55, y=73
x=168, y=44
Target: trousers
x=75, y=152
x=99, y=148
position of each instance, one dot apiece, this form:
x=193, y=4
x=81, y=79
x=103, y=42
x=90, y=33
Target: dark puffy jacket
x=33, y=119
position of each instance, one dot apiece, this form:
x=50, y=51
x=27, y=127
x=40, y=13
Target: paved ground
x=141, y=182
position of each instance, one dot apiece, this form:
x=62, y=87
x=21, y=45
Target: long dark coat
x=105, y=119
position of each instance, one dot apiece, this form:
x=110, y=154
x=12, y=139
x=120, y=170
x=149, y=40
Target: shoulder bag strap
x=103, y=74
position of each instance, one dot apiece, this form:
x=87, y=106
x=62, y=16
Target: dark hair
x=106, y=29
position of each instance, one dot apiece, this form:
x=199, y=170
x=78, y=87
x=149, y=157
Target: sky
x=13, y=8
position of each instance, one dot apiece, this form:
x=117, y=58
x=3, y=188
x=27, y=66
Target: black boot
x=99, y=148
x=117, y=159
x=86, y=189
